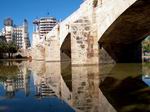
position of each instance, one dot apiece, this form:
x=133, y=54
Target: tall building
x=8, y=29
x=17, y=34
x=41, y=27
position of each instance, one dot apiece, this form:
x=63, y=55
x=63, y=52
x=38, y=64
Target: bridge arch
x=121, y=42
x=65, y=49
x=115, y=28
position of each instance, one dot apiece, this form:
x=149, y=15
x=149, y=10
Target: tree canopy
x=9, y=48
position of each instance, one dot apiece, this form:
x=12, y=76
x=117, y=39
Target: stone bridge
x=109, y=32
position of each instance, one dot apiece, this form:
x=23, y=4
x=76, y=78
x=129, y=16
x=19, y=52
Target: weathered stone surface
x=38, y=53
x=52, y=45
x=84, y=49
x=86, y=95
x=52, y=51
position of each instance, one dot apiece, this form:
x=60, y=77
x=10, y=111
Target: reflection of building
x=43, y=90
x=45, y=86
x=9, y=87
x=84, y=94
x=42, y=27
x=20, y=82
x=17, y=34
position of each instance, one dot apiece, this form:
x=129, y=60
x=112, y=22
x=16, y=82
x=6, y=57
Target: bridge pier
x=38, y=53
x=84, y=46
x=52, y=51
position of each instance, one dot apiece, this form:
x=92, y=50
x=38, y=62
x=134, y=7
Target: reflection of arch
x=124, y=88
x=122, y=40
x=66, y=74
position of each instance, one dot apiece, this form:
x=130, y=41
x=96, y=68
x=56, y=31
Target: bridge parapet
x=64, y=26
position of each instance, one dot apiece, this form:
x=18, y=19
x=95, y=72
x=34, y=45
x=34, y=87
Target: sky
x=19, y=10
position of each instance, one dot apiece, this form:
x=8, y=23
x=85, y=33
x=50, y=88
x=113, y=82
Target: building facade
x=17, y=34
x=41, y=28
x=8, y=29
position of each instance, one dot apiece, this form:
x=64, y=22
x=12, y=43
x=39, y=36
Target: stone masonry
x=86, y=27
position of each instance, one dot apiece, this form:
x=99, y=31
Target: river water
x=59, y=87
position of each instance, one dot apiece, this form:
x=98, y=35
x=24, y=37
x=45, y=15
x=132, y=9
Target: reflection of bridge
x=50, y=79
x=110, y=32
x=84, y=94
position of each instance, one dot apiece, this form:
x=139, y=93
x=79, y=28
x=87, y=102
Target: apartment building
x=17, y=34
x=42, y=27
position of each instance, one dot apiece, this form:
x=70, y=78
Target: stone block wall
x=84, y=46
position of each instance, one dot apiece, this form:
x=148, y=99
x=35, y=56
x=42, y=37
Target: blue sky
x=30, y=9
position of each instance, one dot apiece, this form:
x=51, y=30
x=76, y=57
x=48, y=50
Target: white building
x=8, y=29
x=35, y=38
x=17, y=34
x=42, y=27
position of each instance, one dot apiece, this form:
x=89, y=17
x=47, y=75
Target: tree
x=3, y=48
x=146, y=45
x=12, y=48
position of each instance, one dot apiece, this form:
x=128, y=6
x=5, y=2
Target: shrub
x=95, y=2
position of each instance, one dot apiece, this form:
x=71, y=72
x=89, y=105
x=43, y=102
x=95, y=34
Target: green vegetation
x=7, y=71
x=95, y=2
x=7, y=48
x=146, y=46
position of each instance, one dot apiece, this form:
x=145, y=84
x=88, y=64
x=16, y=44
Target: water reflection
x=125, y=89
x=33, y=85
x=146, y=73
x=60, y=87
x=77, y=86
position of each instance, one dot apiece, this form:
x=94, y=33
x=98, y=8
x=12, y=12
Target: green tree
x=3, y=48
x=11, y=48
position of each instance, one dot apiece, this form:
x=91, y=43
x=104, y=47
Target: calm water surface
x=59, y=87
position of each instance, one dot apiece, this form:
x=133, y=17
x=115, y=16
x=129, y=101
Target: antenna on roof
x=47, y=13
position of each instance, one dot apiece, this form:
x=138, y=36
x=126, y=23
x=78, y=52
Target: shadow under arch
x=66, y=73
x=66, y=49
x=121, y=42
